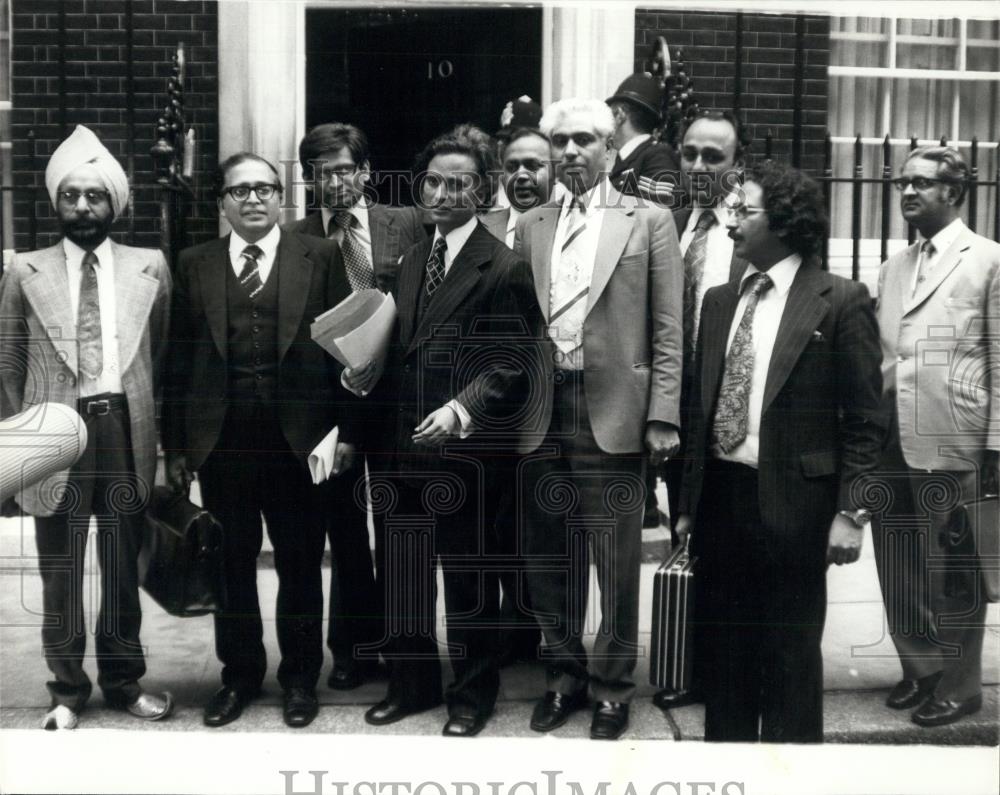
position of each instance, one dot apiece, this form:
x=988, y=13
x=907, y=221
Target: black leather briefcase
x=180, y=562
x=673, y=608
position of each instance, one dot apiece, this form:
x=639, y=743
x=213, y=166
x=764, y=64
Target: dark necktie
x=694, y=269
x=359, y=269
x=435, y=267
x=88, y=319
x=729, y=428
x=250, y=275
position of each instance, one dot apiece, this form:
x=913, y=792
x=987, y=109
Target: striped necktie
x=359, y=269
x=568, y=290
x=250, y=275
x=88, y=319
x=729, y=427
x=694, y=268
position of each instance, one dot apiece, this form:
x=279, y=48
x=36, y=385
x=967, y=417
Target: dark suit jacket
x=821, y=428
x=654, y=160
x=309, y=397
x=393, y=229
x=463, y=348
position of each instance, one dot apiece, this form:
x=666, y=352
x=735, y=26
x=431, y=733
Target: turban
x=85, y=148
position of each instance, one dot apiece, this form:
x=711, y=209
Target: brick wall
x=94, y=60
x=767, y=82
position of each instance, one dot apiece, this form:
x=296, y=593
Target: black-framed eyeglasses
x=263, y=190
x=92, y=197
x=918, y=183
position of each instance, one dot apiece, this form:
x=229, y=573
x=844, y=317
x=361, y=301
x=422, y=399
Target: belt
x=99, y=405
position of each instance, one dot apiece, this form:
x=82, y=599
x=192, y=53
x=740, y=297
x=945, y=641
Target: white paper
x=358, y=329
x=321, y=458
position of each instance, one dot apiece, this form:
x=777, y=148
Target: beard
x=87, y=233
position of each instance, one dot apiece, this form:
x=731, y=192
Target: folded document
x=358, y=329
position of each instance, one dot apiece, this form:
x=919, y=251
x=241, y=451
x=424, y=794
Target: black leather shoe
x=911, y=692
x=464, y=725
x=225, y=706
x=555, y=708
x=672, y=699
x=301, y=706
x=348, y=677
x=610, y=720
x=390, y=710
x=935, y=712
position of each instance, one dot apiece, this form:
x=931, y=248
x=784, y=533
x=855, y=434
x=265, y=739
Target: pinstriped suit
x=820, y=431
x=113, y=478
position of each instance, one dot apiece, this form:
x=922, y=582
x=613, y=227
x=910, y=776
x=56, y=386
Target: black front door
x=407, y=75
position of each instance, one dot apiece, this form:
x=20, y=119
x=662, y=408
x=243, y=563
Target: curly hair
x=468, y=140
x=794, y=204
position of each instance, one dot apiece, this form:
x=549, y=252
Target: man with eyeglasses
x=84, y=323
x=939, y=313
x=336, y=160
x=784, y=423
x=249, y=395
x=608, y=276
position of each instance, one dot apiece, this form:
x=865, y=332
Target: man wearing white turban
x=83, y=323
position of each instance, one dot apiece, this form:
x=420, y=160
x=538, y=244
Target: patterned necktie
x=729, y=427
x=88, y=319
x=568, y=290
x=250, y=275
x=359, y=269
x=435, y=267
x=694, y=268
x=927, y=251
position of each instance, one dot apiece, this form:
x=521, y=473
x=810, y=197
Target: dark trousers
x=933, y=597
x=251, y=472
x=765, y=605
x=356, y=612
x=426, y=519
x=102, y=483
x=583, y=504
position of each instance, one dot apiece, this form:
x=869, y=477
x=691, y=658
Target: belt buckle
x=99, y=407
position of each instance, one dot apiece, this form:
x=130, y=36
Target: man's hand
x=661, y=192
x=662, y=441
x=179, y=477
x=360, y=380
x=437, y=427
x=683, y=528
x=845, y=543
x=343, y=458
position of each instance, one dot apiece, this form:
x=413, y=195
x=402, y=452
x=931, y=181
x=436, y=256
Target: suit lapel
x=715, y=336
x=408, y=287
x=212, y=276
x=495, y=223
x=383, y=235
x=294, y=278
x=543, y=235
x=462, y=277
x=737, y=267
x=950, y=260
x=804, y=308
x=48, y=292
x=616, y=228
x=135, y=291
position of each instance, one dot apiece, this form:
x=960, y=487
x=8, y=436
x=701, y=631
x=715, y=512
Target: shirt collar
x=268, y=244
x=589, y=199
x=782, y=274
x=74, y=254
x=721, y=210
x=632, y=145
x=944, y=238
x=359, y=211
x=512, y=218
x=457, y=238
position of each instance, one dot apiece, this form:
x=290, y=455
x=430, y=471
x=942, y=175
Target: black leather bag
x=180, y=562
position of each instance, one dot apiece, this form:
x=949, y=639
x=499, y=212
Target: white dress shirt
x=110, y=379
x=941, y=242
x=764, y=332
x=362, y=230
x=267, y=244
x=584, y=251
x=718, y=252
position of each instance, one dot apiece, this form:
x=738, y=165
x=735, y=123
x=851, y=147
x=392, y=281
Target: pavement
x=860, y=665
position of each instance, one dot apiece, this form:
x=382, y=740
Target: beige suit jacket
x=40, y=351
x=941, y=353
x=632, y=332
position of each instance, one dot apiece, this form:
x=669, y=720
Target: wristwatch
x=860, y=517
